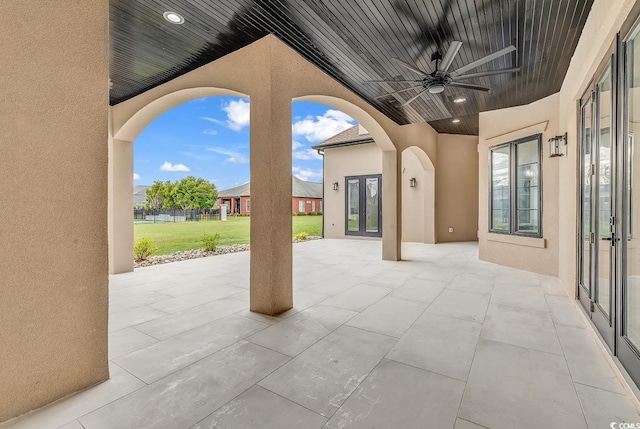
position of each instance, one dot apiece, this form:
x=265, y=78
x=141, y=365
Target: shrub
x=301, y=236
x=312, y=213
x=293, y=214
x=302, y=214
x=143, y=249
x=319, y=213
x=210, y=242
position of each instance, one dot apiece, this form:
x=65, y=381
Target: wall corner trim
x=517, y=134
x=518, y=240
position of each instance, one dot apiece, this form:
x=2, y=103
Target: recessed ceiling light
x=173, y=17
x=459, y=100
x=436, y=89
x=455, y=121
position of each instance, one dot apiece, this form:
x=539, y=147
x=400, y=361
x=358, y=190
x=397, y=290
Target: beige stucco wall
x=340, y=162
x=502, y=126
x=457, y=188
x=53, y=258
x=413, y=199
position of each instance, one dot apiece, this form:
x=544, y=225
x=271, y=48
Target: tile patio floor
x=440, y=340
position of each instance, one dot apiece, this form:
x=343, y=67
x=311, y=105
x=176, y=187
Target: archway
x=121, y=168
x=418, y=197
x=390, y=167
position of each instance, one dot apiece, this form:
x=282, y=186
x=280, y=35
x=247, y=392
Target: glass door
x=629, y=326
x=597, y=192
x=363, y=206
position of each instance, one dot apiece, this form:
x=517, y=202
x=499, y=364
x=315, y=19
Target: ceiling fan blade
x=483, y=60
x=488, y=73
x=410, y=67
x=470, y=86
x=398, y=92
x=393, y=81
x=412, y=99
x=446, y=61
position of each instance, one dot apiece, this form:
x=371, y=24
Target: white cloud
x=136, y=176
x=167, y=166
x=306, y=173
x=235, y=157
x=214, y=120
x=295, y=145
x=322, y=127
x=238, y=115
x=306, y=155
x=210, y=132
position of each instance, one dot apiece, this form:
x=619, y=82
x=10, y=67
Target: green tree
x=155, y=196
x=194, y=193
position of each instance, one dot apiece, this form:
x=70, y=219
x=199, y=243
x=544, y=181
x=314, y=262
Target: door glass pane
x=353, y=205
x=585, y=262
x=371, y=201
x=500, y=188
x=632, y=215
x=528, y=186
x=605, y=191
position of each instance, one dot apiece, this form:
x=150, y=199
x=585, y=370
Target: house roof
x=300, y=188
x=354, y=42
x=351, y=136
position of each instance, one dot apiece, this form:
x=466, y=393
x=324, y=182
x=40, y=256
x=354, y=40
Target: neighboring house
x=353, y=189
x=306, y=197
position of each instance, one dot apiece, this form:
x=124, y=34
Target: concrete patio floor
x=440, y=340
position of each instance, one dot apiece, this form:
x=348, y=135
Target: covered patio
x=440, y=339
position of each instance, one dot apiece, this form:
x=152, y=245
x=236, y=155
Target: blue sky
x=209, y=138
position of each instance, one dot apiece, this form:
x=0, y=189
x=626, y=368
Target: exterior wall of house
x=502, y=126
x=556, y=253
x=339, y=163
x=54, y=286
x=456, y=188
x=413, y=199
x=310, y=204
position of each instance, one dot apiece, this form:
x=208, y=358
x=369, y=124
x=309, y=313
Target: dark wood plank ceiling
x=353, y=42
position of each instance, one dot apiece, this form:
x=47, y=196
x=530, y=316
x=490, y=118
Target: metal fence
x=173, y=215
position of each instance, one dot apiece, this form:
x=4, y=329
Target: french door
x=597, y=195
x=363, y=214
x=628, y=340
x=609, y=248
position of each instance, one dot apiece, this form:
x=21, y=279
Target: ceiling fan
x=436, y=81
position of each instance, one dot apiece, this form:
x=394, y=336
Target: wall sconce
x=554, y=145
x=335, y=186
x=412, y=182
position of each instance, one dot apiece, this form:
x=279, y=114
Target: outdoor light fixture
x=335, y=186
x=554, y=145
x=412, y=182
x=173, y=17
x=459, y=100
x=455, y=121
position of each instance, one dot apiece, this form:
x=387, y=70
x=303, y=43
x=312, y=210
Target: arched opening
x=121, y=171
x=389, y=178
x=418, y=197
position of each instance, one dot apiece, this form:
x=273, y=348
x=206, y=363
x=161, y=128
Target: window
x=313, y=206
x=515, y=188
x=248, y=206
x=301, y=207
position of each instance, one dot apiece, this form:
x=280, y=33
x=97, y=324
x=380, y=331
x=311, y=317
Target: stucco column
x=391, y=205
x=120, y=206
x=271, y=284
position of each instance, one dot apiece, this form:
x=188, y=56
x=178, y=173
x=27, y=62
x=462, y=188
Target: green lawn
x=173, y=237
